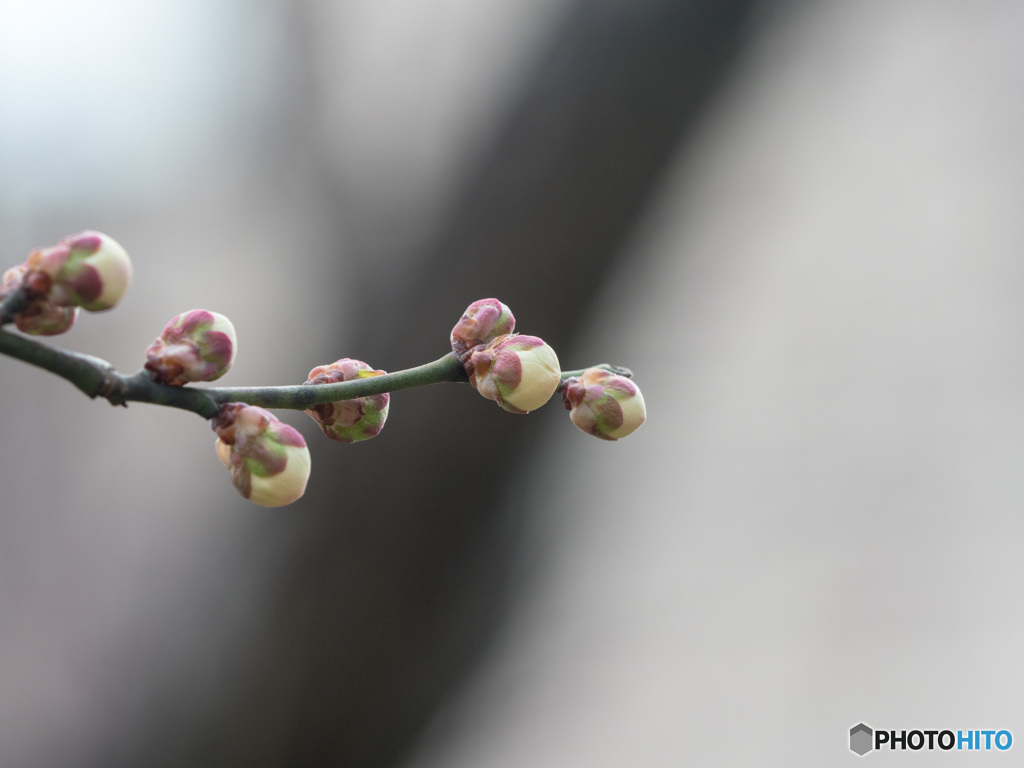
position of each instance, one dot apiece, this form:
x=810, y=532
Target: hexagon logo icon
x=860, y=739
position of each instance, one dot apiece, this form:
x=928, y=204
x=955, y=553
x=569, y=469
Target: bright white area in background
x=128, y=98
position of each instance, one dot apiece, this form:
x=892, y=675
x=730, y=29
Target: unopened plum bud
x=90, y=270
x=482, y=322
x=268, y=459
x=44, y=319
x=197, y=345
x=604, y=404
x=519, y=373
x=358, y=418
x=39, y=317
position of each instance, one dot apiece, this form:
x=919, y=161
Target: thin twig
x=97, y=378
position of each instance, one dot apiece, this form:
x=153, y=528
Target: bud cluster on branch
x=268, y=461
x=88, y=270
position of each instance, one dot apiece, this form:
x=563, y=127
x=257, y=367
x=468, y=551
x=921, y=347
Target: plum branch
x=349, y=400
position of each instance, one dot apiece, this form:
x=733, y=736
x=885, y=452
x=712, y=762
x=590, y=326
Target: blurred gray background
x=799, y=223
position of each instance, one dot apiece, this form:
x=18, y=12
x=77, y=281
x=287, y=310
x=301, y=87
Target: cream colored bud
x=604, y=404
x=90, y=270
x=268, y=459
x=197, y=345
x=285, y=487
x=520, y=373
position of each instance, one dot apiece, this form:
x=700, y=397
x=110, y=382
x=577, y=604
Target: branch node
x=110, y=387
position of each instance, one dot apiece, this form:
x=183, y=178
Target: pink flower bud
x=40, y=317
x=197, y=345
x=604, y=404
x=349, y=421
x=268, y=460
x=44, y=319
x=90, y=270
x=519, y=373
x=483, y=321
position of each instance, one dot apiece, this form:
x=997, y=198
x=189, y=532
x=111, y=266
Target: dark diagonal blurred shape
x=401, y=576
